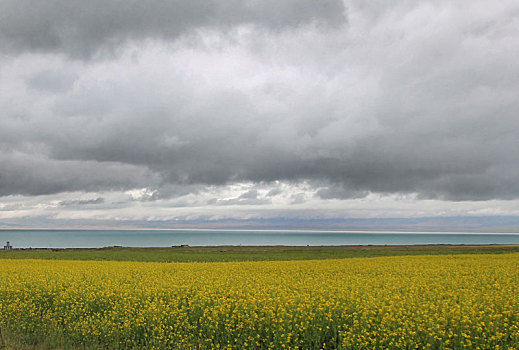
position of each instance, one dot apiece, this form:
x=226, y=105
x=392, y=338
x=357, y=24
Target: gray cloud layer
x=81, y=28
x=416, y=97
x=36, y=175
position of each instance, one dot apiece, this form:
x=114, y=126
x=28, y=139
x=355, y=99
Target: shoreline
x=250, y=253
x=281, y=246
x=414, y=230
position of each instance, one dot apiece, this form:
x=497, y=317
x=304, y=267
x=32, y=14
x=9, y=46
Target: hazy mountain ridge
x=465, y=223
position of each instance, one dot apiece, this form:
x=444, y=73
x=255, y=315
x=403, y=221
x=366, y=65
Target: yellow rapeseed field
x=411, y=302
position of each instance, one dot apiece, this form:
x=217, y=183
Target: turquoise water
x=165, y=238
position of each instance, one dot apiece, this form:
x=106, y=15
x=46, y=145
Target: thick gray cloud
x=82, y=28
x=339, y=192
x=298, y=198
x=51, y=81
x=416, y=97
x=274, y=192
x=29, y=174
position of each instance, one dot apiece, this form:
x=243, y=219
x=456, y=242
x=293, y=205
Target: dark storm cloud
x=81, y=28
x=420, y=97
x=37, y=175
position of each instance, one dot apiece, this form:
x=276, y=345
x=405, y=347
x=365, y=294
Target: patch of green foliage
x=248, y=253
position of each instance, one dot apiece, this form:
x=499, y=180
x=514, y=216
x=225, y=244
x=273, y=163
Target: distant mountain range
x=478, y=224
x=457, y=223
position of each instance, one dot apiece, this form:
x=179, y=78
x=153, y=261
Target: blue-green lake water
x=22, y=238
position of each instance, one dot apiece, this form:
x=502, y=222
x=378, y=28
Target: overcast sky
x=182, y=109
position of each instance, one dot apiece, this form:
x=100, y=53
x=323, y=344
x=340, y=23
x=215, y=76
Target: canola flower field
x=395, y=302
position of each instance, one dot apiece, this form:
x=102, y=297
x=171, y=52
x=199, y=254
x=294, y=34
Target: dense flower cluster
x=449, y=302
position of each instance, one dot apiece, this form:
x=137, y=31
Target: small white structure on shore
x=8, y=246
